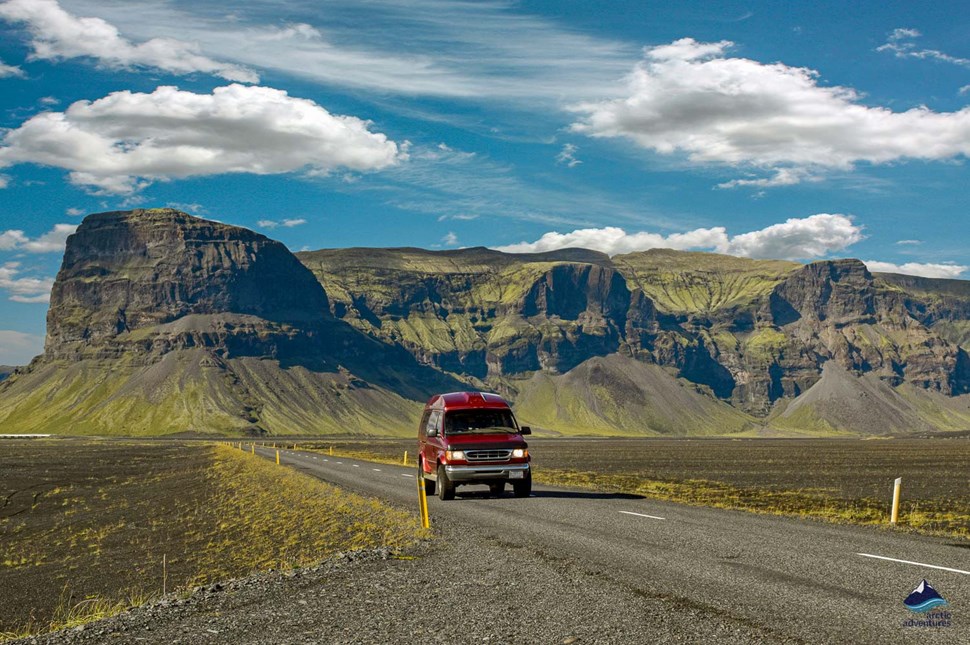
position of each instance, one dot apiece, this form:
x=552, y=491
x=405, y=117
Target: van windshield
x=479, y=422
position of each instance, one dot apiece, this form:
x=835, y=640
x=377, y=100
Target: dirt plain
x=90, y=527
x=848, y=480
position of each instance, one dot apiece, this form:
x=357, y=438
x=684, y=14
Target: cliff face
x=126, y=274
x=752, y=333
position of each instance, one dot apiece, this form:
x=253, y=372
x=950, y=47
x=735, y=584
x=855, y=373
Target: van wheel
x=428, y=484
x=523, y=488
x=446, y=489
x=496, y=489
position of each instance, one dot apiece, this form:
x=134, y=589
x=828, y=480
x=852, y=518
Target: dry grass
x=96, y=523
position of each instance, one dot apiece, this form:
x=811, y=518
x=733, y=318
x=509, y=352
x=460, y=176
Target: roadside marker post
x=895, y=514
x=331, y=451
x=252, y=448
x=423, y=504
x=277, y=457
x=405, y=457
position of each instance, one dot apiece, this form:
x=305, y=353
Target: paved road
x=783, y=578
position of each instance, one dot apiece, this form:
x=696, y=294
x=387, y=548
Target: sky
x=803, y=130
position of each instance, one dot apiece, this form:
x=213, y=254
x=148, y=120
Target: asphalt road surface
x=771, y=578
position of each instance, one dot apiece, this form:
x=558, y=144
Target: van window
x=434, y=422
x=479, y=421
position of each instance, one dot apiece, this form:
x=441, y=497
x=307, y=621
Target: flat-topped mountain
x=163, y=322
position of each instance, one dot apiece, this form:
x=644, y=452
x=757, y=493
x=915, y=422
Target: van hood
x=490, y=441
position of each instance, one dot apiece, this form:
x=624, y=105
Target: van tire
x=446, y=489
x=523, y=488
x=428, y=483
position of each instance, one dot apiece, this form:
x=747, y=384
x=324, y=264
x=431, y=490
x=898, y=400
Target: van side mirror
x=525, y=430
x=431, y=432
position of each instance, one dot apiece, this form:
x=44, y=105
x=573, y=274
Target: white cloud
x=567, y=155
x=24, y=289
x=12, y=239
x=794, y=239
x=483, y=50
x=450, y=239
x=59, y=35
x=688, y=98
x=49, y=100
x=53, y=241
x=901, y=45
x=122, y=142
x=75, y=212
x=7, y=71
x=18, y=348
x=4, y=181
x=287, y=223
x=811, y=237
x=926, y=270
x=909, y=242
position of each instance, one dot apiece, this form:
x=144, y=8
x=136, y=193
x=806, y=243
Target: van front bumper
x=498, y=471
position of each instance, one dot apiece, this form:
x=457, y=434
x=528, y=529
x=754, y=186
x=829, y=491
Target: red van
x=472, y=438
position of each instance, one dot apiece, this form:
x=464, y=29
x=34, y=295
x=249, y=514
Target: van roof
x=462, y=400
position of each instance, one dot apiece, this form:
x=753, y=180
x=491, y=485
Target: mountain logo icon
x=924, y=598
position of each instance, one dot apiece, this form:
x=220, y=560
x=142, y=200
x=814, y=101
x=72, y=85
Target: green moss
x=765, y=344
x=684, y=282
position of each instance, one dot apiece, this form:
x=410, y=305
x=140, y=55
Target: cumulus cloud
x=59, y=35
x=794, y=239
x=690, y=98
x=23, y=289
x=286, y=223
x=121, y=143
x=18, y=348
x=926, y=270
x=450, y=239
x=900, y=43
x=7, y=71
x=567, y=155
x=53, y=241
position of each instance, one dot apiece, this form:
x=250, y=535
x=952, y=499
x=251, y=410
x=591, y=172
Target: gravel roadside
x=466, y=586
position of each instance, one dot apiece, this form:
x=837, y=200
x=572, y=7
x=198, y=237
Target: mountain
x=5, y=371
x=750, y=336
x=161, y=322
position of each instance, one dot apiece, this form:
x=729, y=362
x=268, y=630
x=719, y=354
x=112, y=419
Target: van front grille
x=473, y=456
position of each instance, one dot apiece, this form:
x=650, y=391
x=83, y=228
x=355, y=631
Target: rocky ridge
x=163, y=322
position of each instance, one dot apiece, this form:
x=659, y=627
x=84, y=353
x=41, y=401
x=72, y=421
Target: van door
x=432, y=444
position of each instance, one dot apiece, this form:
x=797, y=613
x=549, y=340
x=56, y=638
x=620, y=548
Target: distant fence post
x=895, y=514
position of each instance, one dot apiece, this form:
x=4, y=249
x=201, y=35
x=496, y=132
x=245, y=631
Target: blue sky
x=795, y=130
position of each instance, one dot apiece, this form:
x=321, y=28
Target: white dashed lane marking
x=918, y=564
x=652, y=517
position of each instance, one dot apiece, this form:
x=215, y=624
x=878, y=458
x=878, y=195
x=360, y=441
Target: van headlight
x=455, y=455
x=519, y=453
